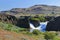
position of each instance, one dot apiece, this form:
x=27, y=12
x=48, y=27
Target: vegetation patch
x=10, y=27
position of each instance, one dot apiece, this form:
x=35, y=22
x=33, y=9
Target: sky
x=9, y=4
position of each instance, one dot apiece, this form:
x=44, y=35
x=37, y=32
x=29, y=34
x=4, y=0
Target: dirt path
x=6, y=35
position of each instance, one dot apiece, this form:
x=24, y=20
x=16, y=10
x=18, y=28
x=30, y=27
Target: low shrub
x=49, y=35
x=42, y=18
x=36, y=32
x=39, y=18
x=34, y=18
x=10, y=27
x=56, y=38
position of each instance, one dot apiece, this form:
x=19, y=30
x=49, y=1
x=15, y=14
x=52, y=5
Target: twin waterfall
x=41, y=27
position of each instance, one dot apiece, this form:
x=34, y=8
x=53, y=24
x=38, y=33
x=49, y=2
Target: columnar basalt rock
x=54, y=25
x=8, y=18
x=23, y=22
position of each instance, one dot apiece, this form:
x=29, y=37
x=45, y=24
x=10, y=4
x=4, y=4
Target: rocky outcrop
x=54, y=25
x=8, y=18
x=23, y=22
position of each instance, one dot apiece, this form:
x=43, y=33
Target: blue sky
x=9, y=4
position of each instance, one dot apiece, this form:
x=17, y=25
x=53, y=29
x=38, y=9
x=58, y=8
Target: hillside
x=36, y=9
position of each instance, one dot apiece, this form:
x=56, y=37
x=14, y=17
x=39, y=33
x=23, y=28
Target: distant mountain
x=36, y=9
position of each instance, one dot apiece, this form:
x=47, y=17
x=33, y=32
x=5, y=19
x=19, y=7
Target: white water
x=42, y=26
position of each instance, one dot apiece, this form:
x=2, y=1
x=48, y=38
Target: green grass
x=35, y=34
x=10, y=27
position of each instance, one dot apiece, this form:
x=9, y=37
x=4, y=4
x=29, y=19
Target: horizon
x=9, y=4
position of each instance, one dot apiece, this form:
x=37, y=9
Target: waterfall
x=41, y=27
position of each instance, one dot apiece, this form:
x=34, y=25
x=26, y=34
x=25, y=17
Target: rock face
x=23, y=22
x=54, y=25
x=8, y=18
x=20, y=22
